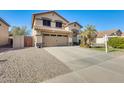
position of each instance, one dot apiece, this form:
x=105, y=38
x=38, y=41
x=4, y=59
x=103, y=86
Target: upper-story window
x=59, y=24
x=0, y=26
x=46, y=22
x=74, y=25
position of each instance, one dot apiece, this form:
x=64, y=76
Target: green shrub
x=121, y=46
x=116, y=42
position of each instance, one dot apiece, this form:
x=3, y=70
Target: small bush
x=85, y=46
x=81, y=45
x=116, y=42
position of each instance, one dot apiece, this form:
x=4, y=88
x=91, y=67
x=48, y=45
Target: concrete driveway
x=88, y=65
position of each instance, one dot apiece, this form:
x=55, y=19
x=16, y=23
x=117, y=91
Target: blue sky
x=102, y=19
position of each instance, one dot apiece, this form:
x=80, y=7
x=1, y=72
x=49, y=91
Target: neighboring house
x=4, y=34
x=101, y=34
x=122, y=34
x=51, y=29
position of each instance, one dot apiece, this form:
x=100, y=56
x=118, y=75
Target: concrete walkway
x=88, y=65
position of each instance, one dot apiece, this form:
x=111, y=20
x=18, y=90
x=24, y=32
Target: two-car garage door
x=55, y=40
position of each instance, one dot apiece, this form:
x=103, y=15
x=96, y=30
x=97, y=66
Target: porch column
x=78, y=38
x=70, y=40
x=38, y=40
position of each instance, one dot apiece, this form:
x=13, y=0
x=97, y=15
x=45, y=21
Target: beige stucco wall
x=37, y=39
x=71, y=26
x=51, y=16
x=18, y=41
x=78, y=37
x=3, y=34
x=70, y=39
x=100, y=40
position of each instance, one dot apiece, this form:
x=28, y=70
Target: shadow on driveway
x=10, y=49
x=1, y=61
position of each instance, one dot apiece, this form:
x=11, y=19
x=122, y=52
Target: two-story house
x=51, y=29
x=4, y=34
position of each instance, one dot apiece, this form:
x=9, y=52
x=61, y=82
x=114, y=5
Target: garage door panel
x=52, y=40
x=62, y=40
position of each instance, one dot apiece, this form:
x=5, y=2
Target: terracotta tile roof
x=108, y=32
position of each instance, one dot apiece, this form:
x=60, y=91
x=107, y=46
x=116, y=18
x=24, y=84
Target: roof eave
x=45, y=13
x=76, y=23
x=4, y=22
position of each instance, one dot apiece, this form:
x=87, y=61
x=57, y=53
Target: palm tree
x=19, y=31
x=88, y=35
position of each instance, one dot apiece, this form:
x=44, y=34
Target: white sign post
x=106, y=45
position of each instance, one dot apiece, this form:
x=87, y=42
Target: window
x=46, y=22
x=46, y=34
x=74, y=25
x=65, y=36
x=59, y=35
x=53, y=35
x=59, y=24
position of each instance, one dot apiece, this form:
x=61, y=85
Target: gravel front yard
x=29, y=65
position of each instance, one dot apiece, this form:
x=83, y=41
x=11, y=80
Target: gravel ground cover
x=29, y=65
